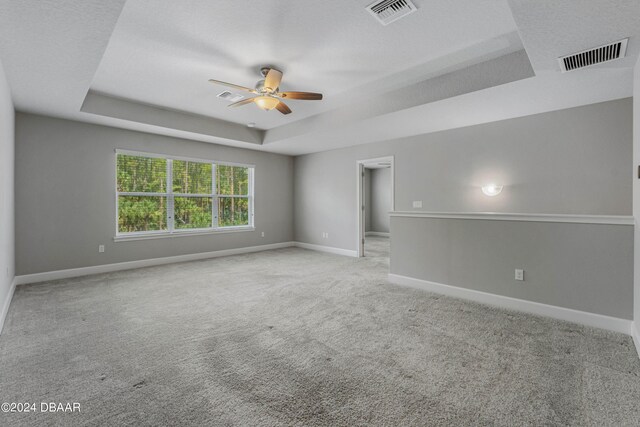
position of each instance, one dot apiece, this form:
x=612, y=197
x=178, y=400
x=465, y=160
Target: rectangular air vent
x=598, y=55
x=231, y=97
x=387, y=11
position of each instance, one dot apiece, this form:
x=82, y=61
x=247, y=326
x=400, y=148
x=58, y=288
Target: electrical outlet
x=417, y=203
x=519, y=274
x=101, y=248
x=262, y=234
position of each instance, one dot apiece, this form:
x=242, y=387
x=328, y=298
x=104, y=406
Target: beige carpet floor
x=295, y=337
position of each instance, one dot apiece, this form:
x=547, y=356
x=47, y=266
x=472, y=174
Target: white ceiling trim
x=505, y=69
x=222, y=131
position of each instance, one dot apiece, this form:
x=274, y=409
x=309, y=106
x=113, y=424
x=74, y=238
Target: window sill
x=166, y=234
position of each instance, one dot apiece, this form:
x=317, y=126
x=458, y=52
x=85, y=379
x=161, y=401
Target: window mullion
x=214, y=194
x=140, y=194
x=250, y=188
x=170, y=202
x=186, y=195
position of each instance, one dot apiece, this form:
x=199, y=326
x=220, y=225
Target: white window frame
x=171, y=231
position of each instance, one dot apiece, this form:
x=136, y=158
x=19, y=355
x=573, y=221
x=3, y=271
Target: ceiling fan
x=267, y=91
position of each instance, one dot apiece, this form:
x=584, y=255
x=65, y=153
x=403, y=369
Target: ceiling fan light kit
x=266, y=102
x=268, y=94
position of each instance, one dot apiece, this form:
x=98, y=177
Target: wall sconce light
x=492, y=190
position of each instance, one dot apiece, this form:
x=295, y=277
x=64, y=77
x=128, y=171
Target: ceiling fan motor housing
x=260, y=87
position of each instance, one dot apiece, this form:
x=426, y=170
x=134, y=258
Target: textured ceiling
x=552, y=28
x=144, y=65
x=50, y=50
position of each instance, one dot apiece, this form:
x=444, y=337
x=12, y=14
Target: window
x=161, y=195
x=233, y=195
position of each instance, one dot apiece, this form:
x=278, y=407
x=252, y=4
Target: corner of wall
x=6, y=304
x=635, y=334
x=636, y=201
x=7, y=197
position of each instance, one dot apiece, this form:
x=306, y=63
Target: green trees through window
x=138, y=211
x=194, y=181
x=233, y=191
x=200, y=195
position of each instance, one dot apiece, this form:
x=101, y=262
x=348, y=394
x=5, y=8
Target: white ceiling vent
x=597, y=55
x=387, y=11
x=231, y=97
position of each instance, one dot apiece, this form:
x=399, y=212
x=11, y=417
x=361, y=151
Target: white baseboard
x=108, y=268
x=582, y=317
x=7, y=303
x=376, y=233
x=329, y=249
x=635, y=334
x=129, y=265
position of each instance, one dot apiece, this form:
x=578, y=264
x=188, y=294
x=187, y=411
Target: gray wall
x=380, y=199
x=573, y=161
x=65, y=201
x=7, y=259
x=586, y=267
x=636, y=190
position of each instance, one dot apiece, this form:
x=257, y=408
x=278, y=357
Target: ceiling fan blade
x=309, y=96
x=273, y=79
x=241, y=103
x=283, y=108
x=246, y=89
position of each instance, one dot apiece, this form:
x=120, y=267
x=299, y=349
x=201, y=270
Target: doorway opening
x=375, y=202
